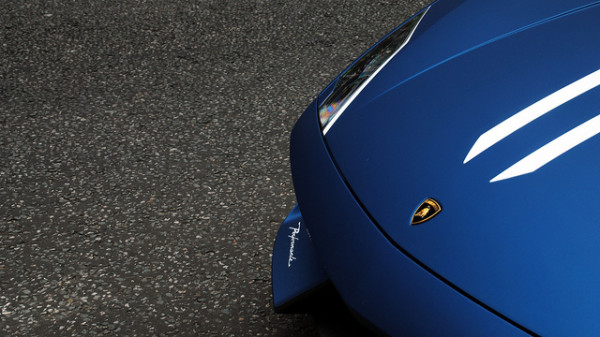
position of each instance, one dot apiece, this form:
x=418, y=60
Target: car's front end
x=489, y=109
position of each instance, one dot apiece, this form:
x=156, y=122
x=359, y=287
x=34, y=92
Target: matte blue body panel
x=452, y=27
x=373, y=277
x=296, y=269
x=527, y=247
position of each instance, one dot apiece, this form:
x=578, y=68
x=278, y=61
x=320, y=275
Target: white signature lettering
x=293, y=237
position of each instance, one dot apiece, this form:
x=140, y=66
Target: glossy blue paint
x=527, y=246
x=373, y=277
x=296, y=269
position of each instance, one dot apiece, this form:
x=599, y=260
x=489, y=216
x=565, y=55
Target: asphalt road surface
x=144, y=157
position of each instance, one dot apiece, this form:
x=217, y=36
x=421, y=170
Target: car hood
x=526, y=246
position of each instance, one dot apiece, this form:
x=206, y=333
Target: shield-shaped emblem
x=426, y=211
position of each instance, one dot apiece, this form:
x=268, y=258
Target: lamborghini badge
x=426, y=211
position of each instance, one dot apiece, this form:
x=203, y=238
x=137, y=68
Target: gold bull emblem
x=426, y=211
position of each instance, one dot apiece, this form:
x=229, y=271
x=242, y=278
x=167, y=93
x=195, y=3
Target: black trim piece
x=334, y=318
x=302, y=303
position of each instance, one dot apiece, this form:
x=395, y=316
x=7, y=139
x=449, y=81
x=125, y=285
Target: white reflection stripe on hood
x=550, y=151
x=532, y=112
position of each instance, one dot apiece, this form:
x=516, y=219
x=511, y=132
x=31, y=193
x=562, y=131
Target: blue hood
x=527, y=246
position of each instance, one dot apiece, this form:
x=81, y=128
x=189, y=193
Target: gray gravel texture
x=144, y=149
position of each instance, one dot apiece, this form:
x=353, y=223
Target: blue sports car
x=446, y=180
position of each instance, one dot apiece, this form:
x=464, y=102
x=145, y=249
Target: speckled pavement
x=144, y=157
